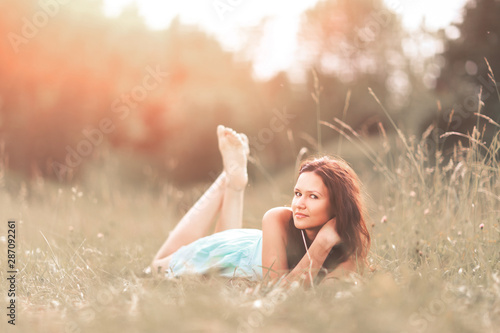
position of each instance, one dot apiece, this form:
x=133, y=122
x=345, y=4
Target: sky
x=226, y=18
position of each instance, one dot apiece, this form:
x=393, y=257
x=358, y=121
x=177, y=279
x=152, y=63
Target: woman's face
x=311, y=204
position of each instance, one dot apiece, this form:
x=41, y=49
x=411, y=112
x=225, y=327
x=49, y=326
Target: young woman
x=323, y=232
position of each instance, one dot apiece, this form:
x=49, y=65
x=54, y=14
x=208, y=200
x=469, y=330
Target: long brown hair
x=345, y=198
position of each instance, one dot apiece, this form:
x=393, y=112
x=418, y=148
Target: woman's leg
x=235, y=150
x=224, y=196
x=195, y=224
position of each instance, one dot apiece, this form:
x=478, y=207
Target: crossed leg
x=224, y=198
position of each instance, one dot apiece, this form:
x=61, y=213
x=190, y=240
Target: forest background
x=107, y=136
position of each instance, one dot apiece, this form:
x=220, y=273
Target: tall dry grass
x=82, y=249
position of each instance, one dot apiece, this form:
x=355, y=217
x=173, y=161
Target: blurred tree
x=354, y=45
x=467, y=44
x=73, y=79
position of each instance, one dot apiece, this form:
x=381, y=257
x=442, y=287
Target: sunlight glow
x=225, y=19
x=435, y=14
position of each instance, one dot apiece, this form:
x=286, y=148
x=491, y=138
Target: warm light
x=225, y=19
x=435, y=13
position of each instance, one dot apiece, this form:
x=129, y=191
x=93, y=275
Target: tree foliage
x=355, y=45
x=67, y=68
x=469, y=48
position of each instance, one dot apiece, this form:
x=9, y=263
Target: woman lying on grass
x=326, y=216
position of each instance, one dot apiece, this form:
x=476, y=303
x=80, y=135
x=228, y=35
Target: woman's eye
x=313, y=196
x=297, y=194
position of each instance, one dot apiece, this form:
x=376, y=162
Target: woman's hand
x=327, y=235
x=312, y=262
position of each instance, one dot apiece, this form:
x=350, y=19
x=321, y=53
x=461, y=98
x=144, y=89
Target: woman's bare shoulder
x=279, y=212
x=278, y=215
x=276, y=224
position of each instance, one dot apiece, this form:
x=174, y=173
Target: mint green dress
x=230, y=253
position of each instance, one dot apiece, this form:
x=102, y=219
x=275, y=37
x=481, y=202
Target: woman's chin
x=298, y=224
x=302, y=226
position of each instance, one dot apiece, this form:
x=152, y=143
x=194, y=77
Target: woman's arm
x=313, y=260
x=342, y=270
x=274, y=240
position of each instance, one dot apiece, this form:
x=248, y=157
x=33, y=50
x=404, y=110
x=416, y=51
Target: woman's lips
x=300, y=215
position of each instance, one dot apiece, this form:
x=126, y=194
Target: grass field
x=82, y=250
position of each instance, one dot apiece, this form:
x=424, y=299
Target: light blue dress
x=232, y=253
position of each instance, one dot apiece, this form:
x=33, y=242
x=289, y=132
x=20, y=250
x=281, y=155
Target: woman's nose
x=300, y=202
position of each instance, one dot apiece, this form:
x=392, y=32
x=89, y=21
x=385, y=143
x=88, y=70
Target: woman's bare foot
x=234, y=150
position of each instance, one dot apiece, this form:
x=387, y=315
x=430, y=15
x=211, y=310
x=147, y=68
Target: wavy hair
x=345, y=198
